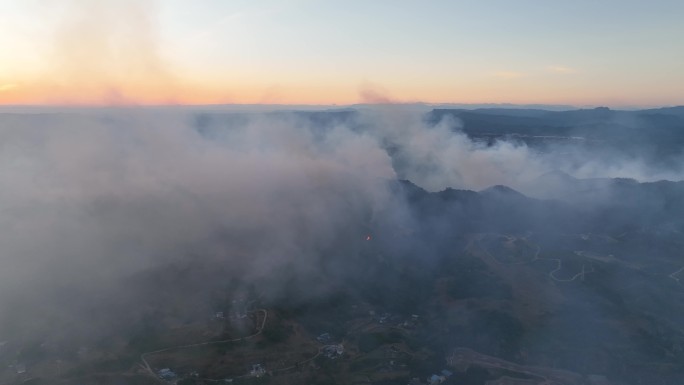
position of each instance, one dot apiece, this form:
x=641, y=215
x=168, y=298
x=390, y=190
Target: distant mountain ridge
x=579, y=205
x=583, y=121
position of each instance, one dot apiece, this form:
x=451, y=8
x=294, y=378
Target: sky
x=614, y=53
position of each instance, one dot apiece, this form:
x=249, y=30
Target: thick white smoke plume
x=91, y=197
x=441, y=156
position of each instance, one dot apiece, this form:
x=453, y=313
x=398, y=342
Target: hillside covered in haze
x=355, y=246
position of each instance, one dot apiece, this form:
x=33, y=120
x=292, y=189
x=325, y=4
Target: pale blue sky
x=593, y=52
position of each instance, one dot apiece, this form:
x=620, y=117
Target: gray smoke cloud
x=442, y=156
x=91, y=198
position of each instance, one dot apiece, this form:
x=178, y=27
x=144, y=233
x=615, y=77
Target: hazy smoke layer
x=440, y=156
x=89, y=198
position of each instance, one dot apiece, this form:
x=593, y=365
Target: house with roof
x=20, y=368
x=435, y=379
x=324, y=338
x=166, y=374
x=333, y=351
x=257, y=370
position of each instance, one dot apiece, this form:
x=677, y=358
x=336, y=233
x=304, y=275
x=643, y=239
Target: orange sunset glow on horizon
x=167, y=52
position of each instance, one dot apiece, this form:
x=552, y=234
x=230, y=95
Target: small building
x=436, y=379
x=219, y=315
x=324, y=338
x=239, y=308
x=258, y=370
x=447, y=373
x=411, y=322
x=333, y=351
x=166, y=374
x=20, y=368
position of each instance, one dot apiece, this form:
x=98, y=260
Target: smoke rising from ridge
x=441, y=156
x=92, y=198
x=108, y=50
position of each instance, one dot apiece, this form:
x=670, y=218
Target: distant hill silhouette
x=656, y=134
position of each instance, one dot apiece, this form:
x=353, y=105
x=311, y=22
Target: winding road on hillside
x=674, y=275
x=551, y=274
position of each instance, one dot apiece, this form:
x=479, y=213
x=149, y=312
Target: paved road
x=674, y=274
x=546, y=375
x=559, y=264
